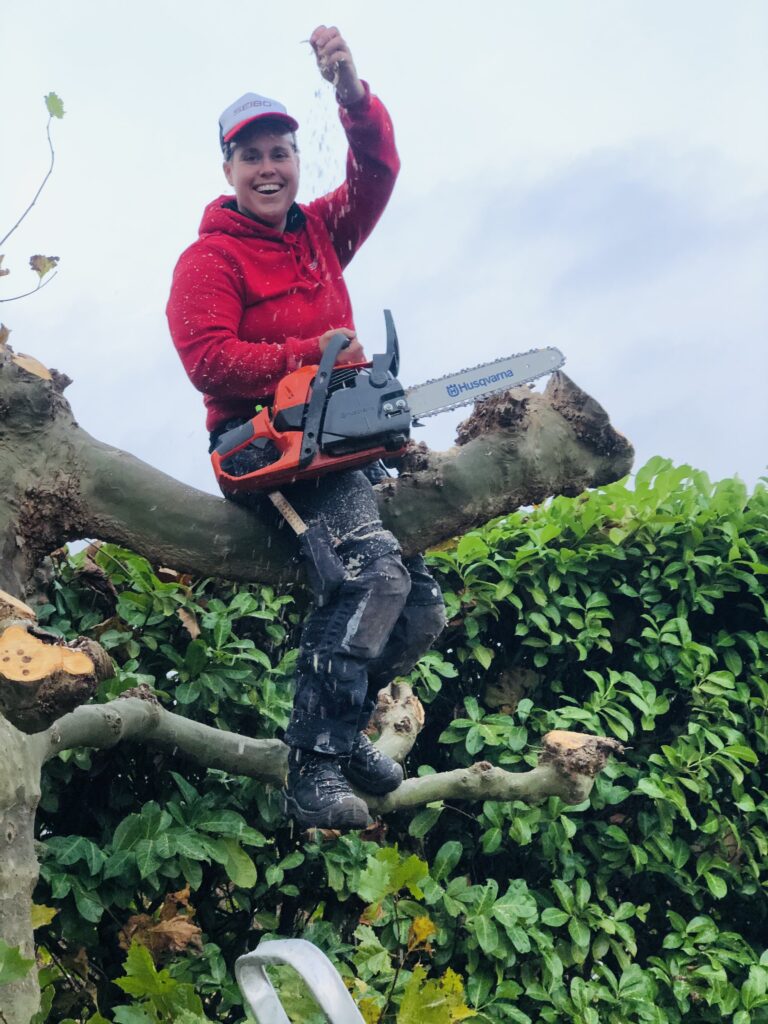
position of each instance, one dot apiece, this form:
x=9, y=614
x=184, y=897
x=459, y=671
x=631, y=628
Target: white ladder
x=317, y=971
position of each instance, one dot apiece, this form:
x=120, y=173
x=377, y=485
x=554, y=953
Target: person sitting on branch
x=258, y=295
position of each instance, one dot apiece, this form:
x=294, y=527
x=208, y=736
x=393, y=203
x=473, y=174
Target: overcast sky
x=585, y=173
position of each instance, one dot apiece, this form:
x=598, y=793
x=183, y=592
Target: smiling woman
x=263, y=169
x=260, y=294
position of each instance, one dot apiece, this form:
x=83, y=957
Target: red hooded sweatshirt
x=249, y=303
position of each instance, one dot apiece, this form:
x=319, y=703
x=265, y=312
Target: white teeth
x=268, y=189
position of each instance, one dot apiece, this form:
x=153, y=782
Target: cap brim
x=291, y=124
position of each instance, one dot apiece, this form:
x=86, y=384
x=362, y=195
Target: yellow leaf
x=43, y=264
x=42, y=915
x=370, y=1011
x=32, y=365
x=422, y=929
x=433, y=1001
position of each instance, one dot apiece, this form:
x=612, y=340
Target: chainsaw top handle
x=316, y=404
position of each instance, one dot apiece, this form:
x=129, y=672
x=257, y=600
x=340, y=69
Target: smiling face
x=263, y=169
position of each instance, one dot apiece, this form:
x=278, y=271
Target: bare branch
x=567, y=767
x=37, y=194
x=145, y=721
x=40, y=284
x=568, y=762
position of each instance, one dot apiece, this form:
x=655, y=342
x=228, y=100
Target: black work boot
x=318, y=796
x=369, y=769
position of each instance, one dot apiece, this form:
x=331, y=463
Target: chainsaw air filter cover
x=366, y=409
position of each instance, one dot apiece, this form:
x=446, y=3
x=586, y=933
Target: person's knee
x=382, y=589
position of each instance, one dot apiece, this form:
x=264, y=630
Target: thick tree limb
x=567, y=767
x=62, y=484
x=517, y=448
x=143, y=720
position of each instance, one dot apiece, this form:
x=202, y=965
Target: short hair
x=228, y=148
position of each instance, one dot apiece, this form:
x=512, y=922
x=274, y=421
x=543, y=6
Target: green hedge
x=636, y=611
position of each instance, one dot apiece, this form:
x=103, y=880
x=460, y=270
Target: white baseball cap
x=248, y=108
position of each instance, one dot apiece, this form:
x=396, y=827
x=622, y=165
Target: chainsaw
x=326, y=418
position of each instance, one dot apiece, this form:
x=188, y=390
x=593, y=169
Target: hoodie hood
x=223, y=217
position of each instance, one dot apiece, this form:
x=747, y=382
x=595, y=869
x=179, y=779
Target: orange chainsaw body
x=321, y=421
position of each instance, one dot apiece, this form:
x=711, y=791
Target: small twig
x=42, y=186
x=40, y=284
x=68, y=977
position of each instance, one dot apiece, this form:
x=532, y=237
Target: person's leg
x=419, y=624
x=338, y=642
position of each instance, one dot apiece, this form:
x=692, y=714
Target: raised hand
x=336, y=64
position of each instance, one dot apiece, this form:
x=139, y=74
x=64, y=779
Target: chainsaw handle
x=316, y=404
x=337, y=342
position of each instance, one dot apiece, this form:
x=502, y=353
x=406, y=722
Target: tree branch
x=143, y=720
x=40, y=284
x=553, y=776
x=61, y=485
x=568, y=762
x=42, y=184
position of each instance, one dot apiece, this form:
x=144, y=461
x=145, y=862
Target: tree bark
x=19, y=797
x=63, y=485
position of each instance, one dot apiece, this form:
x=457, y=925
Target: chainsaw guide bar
x=467, y=386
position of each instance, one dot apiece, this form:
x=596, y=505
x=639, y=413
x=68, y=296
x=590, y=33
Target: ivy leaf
x=54, y=105
x=437, y=1001
x=42, y=265
x=142, y=979
x=387, y=873
x=13, y=966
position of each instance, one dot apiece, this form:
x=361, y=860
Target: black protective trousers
x=385, y=613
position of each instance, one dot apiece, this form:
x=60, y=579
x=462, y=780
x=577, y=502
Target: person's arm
x=351, y=211
x=204, y=313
